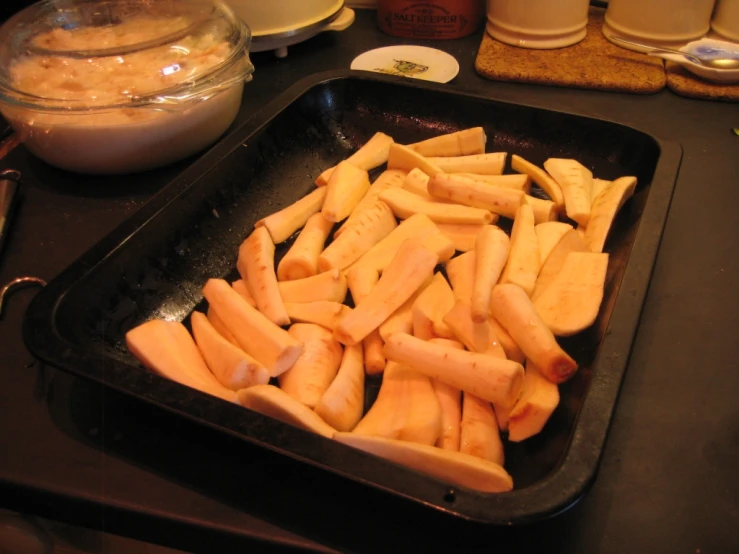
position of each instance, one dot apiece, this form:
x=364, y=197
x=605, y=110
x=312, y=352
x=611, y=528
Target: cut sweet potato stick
x=483, y=164
x=539, y=398
x=388, y=179
x=402, y=157
x=218, y=325
x=259, y=337
x=462, y=236
x=344, y=190
x=273, y=402
x=571, y=241
x=240, y=286
x=401, y=320
x=369, y=228
x=453, y=467
x=468, y=192
x=491, y=254
x=450, y=402
x=256, y=265
x=321, y=312
x=571, y=302
x=466, y=142
x=491, y=378
x=604, y=210
x=166, y=348
x=549, y=234
x=314, y=371
x=477, y=337
x=342, y=404
x=598, y=186
x=330, y=285
x=479, y=432
x=461, y=273
x=541, y=178
x=518, y=181
x=301, y=260
x=576, y=182
x=409, y=269
x=512, y=307
x=379, y=256
x=233, y=367
x=524, y=260
x=544, y=210
x=374, y=353
x=405, y=204
x=429, y=308
x=416, y=181
x=281, y=225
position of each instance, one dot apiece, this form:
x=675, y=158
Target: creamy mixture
x=110, y=80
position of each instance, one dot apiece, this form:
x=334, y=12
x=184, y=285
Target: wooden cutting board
x=593, y=63
x=682, y=82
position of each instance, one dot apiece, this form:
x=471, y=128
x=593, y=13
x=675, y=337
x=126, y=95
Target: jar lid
x=102, y=54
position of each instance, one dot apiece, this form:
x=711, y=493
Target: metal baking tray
x=155, y=264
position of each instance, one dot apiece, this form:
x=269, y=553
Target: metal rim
x=307, y=30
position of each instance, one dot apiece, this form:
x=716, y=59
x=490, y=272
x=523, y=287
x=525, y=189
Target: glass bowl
x=120, y=86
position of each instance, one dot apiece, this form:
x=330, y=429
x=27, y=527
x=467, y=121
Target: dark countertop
x=668, y=480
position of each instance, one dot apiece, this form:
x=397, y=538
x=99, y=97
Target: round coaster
x=416, y=62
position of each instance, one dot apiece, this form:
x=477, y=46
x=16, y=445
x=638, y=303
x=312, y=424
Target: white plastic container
x=725, y=20
x=113, y=87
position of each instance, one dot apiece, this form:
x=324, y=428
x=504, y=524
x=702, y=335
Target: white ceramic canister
x=658, y=22
x=725, y=20
x=537, y=23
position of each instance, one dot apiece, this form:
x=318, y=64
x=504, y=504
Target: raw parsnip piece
x=544, y=210
x=218, y=325
x=166, y=348
x=461, y=273
x=256, y=265
x=374, y=353
x=369, y=228
x=491, y=378
x=479, y=432
x=313, y=372
x=459, y=143
x=511, y=349
x=373, y=153
x=389, y=412
x=240, y=286
x=405, y=204
x=598, y=186
x=450, y=402
x=512, y=307
x=453, y=467
x=462, y=236
x=483, y=164
x=344, y=190
x=576, y=182
x=273, y=402
x=342, y=404
x=301, y=260
x=416, y=181
x=524, y=260
x=409, y=269
x=468, y=192
x=541, y=178
x=401, y=320
x=518, y=181
x=571, y=241
x=402, y=157
x=281, y=225
x=604, y=210
x=329, y=285
x=491, y=254
x=233, y=367
x=321, y=312
x=379, y=256
x=571, y=303
x=361, y=279
x=267, y=343
x=423, y=420
x=388, y=179
x=539, y=398
x=429, y=308
x=549, y=234
x=477, y=337
x=440, y=245
x=322, y=179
